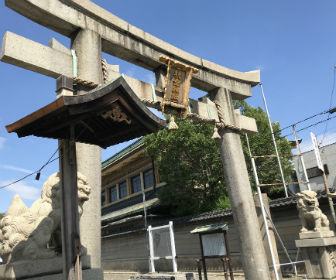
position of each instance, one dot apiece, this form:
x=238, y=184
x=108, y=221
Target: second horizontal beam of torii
x=56, y=60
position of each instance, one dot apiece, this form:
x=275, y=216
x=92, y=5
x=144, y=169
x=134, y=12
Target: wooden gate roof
x=105, y=116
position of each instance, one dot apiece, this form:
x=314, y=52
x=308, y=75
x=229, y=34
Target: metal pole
x=331, y=204
x=151, y=250
x=203, y=258
x=301, y=157
x=325, y=181
x=263, y=211
x=143, y=198
x=281, y=242
x=172, y=244
x=274, y=142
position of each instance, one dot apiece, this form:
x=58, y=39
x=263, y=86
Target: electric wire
x=311, y=125
x=28, y=175
x=330, y=111
x=306, y=119
x=49, y=161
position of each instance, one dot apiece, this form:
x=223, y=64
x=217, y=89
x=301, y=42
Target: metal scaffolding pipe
x=274, y=142
x=301, y=157
x=263, y=211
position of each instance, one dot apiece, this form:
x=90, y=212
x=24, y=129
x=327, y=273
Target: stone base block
x=316, y=234
x=88, y=274
x=315, y=242
x=319, y=255
x=44, y=269
x=319, y=278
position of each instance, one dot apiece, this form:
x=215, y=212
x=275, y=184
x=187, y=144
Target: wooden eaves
x=105, y=116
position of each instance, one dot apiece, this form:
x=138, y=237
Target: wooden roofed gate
x=93, y=30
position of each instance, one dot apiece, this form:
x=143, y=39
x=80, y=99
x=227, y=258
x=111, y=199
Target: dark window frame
x=120, y=192
x=144, y=178
x=132, y=186
x=316, y=172
x=110, y=193
x=103, y=201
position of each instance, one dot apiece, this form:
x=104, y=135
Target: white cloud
x=23, y=190
x=2, y=141
x=16, y=168
x=328, y=139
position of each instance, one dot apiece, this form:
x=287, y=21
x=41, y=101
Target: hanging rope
x=105, y=70
x=151, y=103
x=221, y=124
x=85, y=83
x=77, y=80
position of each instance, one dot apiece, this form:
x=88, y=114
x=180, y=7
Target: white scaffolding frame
x=258, y=185
x=152, y=257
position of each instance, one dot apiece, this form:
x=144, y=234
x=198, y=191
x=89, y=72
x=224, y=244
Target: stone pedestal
x=318, y=250
x=48, y=269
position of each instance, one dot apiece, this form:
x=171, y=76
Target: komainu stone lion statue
x=310, y=214
x=26, y=233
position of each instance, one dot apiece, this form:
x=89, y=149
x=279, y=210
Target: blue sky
x=291, y=42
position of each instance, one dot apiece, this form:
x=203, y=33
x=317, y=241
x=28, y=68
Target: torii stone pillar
x=240, y=193
x=87, y=45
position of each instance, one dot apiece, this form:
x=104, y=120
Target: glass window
x=113, y=194
x=136, y=184
x=122, y=189
x=103, y=198
x=148, y=179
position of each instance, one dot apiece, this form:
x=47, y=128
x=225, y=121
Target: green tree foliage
x=189, y=161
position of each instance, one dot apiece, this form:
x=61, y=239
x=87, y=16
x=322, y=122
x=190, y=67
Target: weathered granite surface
x=27, y=269
x=317, y=242
x=25, y=233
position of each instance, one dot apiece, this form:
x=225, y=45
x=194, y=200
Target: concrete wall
x=129, y=252
x=328, y=155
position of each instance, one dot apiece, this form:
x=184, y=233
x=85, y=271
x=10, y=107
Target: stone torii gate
x=93, y=30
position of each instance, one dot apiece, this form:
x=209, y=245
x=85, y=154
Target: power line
x=38, y=171
x=35, y=172
x=330, y=111
x=314, y=124
x=306, y=119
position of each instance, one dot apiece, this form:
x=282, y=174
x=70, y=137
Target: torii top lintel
x=131, y=43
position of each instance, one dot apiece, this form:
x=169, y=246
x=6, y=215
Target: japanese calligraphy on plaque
x=176, y=94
